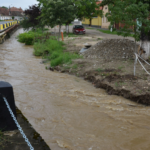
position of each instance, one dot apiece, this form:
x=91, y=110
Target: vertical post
x=62, y=35
x=136, y=57
x=1, y=27
x=148, y=51
x=6, y=121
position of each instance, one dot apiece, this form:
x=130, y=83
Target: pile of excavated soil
x=110, y=49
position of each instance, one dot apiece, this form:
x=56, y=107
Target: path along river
x=68, y=112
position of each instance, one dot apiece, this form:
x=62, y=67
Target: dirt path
x=94, y=32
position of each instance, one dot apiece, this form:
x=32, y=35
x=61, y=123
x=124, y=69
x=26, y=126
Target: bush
x=63, y=58
x=53, y=51
x=50, y=49
x=28, y=37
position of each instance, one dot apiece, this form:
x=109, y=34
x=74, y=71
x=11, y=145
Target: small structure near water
x=87, y=45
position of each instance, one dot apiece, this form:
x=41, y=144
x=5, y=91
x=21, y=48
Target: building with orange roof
x=4, y=14
x=16, y=9
x=13, y=12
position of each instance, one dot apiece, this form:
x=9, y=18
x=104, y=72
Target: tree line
x=133, y=14
x=59, y=12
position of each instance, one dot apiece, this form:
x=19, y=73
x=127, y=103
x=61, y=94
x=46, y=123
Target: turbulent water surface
x=68, y=112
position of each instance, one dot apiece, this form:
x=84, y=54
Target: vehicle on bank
x=78, y=29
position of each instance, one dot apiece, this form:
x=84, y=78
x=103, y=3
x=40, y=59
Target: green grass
x=113, y=32
x=99, y=70
x=49, y=49
x=53, y=51
x=120, y=68
x=69, y=24
x=28, y=37
x=75, y=66
x=108, y=31
x=67, y=67
x=52, y=47
x=99, y=39
x=69, y=34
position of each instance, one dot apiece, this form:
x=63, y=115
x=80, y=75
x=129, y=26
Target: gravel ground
x=112, y=49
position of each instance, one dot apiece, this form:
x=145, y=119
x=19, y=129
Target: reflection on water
x=69, y=112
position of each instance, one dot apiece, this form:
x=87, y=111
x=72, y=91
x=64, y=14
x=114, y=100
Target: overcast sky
x=18, y=3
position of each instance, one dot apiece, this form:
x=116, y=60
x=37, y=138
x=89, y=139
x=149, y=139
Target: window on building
x=105, y=7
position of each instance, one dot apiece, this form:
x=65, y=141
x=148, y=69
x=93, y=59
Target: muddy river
x=68, y=112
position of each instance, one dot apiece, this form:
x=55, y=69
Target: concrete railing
x=6, y=25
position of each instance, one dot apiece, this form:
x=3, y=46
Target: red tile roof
x=16, y=9
x=99, y=3
x=4, y=11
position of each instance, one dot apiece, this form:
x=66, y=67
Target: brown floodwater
x=68, y=112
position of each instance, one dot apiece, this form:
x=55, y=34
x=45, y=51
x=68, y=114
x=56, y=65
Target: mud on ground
x=114, y=75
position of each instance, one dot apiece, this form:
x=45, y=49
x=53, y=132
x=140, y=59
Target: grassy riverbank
x=48, y=47
x=114, y=75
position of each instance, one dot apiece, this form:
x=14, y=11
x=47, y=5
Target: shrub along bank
x=49, y=49
x=28, y=37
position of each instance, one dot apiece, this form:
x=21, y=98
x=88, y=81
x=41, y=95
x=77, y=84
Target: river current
x=68, y=112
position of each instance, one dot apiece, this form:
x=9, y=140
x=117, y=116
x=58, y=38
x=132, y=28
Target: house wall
x=96, y=21
x=105, y=23
x=5, y=17
x=85, y=21
x=18, y=18
x=121, y=25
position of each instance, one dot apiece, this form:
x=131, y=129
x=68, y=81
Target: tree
x=88, y=9
x=4, y=7
x=127, y=12
x=31, y=17
x=72, y=13
x=57, y=12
